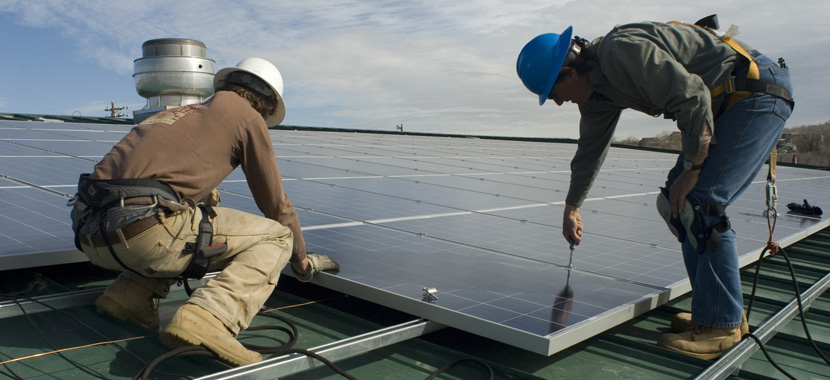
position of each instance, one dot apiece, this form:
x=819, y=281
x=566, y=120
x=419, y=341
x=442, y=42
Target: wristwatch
x=687, y=166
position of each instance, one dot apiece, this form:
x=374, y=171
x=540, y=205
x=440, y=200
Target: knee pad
x=692, y=224
x=680, y=227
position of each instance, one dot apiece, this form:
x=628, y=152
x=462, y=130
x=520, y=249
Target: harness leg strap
x=202, y=250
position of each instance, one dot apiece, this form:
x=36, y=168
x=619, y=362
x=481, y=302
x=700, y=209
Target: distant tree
x=628, y=141
x=813, y=143
x=670, y=140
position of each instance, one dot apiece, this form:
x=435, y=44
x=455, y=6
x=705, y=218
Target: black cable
x=181, y=351
x=11, y=373
x=800, y=310
x=293, y=334
x=325, y=361
x=454, y=363
x=37, y=281
x=755, y=282
x=764, y=350
x=14, y=297
x=283, y=349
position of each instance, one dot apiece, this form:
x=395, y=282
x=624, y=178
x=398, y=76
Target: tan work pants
x=258, y=249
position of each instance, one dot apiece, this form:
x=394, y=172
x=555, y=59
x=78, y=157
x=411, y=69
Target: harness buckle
x=730, y=85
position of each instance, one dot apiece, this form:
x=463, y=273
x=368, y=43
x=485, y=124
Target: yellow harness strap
x=729, y=85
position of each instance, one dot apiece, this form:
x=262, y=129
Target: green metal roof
x=624, y=352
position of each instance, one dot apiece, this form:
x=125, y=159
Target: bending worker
x=149, y=210
x=730, y=103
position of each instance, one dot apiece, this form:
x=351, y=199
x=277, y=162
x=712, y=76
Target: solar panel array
x=464, y=231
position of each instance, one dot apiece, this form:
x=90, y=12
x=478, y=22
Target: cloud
x=434, y=66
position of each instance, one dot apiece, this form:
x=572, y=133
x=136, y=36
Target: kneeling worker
x=149, y=210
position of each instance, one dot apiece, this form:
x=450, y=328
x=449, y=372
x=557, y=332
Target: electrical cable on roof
x=773, y=248
x=11, y=373
x=38, y=282
x=198, y=350
x=14, y=296
x=284, y=349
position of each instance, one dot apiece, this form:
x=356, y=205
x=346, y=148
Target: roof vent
x=172, y=72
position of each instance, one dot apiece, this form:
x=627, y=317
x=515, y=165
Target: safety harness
x=100, y=195
x=740, y=88
x=203, y=249
x=707, y=236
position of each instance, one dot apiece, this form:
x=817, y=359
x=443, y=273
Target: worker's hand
x=681, y=187
x=313, y=264
x=572, y=224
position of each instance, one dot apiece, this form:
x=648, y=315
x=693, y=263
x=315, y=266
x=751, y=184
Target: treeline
x=812, y=143
x=805, y=145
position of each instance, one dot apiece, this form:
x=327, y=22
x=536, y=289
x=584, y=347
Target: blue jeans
x=745, y=134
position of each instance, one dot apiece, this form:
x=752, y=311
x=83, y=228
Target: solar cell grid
x=415, y=189
x=478, y=219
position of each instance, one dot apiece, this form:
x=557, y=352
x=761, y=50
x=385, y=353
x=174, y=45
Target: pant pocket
x=155, y=253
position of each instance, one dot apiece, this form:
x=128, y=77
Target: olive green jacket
x=654, y=68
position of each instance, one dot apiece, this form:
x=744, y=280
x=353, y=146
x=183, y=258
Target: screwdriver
x=571, y=260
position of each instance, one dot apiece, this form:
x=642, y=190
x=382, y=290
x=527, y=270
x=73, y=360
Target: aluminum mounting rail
x=343, y=349
x=731, y=362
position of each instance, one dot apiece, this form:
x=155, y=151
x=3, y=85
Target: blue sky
x=435, y=66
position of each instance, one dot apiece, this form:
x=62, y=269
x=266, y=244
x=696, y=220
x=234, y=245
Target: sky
x=433, y=66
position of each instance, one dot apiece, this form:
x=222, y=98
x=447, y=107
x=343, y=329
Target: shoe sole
x=697, y=355
x=174, y=336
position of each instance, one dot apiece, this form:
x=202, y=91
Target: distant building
x=650, y=142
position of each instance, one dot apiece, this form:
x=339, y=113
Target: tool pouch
x=202, y=250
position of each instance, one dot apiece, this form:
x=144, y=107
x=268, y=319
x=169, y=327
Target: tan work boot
x=702, y=341
x=193, y=325
x=125, y=299
x=682, y=322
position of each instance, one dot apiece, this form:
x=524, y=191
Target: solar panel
x=463, y=231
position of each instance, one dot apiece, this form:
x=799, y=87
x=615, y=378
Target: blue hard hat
x=540, y=61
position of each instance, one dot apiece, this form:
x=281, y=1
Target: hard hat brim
x=274, y=119
x=559, y=51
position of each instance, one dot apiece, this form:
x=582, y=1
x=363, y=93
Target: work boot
x=125, y=299
x=682, y=322
x=193, y=325
x=702, y=341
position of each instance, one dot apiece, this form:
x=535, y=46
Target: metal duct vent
x=172, y=72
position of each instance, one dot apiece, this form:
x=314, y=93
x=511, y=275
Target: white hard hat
x=265, y=70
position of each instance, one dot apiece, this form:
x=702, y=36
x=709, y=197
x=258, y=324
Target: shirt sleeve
x=649, y=72
x=596, y=129
x=258, y=161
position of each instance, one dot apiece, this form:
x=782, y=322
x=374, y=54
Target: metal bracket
x=429, y=295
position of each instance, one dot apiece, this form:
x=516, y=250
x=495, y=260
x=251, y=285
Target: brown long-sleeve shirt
x=194, y=148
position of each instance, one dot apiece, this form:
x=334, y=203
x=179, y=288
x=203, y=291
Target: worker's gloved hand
x=316, y=264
